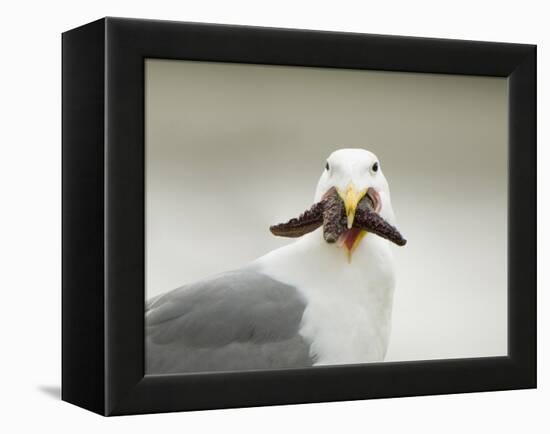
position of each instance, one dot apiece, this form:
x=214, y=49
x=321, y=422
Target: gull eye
x=327, y=166
x=375, y=167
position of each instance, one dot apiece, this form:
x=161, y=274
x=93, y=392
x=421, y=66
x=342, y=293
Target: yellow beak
x=351, y=198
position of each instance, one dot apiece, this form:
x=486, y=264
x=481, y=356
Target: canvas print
x=300, y=217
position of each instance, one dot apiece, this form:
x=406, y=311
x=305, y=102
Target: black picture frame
x=103, y=215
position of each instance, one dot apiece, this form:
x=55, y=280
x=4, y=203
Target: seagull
x=320, y=300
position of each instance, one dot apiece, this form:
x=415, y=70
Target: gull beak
x=351, y=198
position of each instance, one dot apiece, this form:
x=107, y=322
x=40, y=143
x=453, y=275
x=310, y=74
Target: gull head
x=356, y=174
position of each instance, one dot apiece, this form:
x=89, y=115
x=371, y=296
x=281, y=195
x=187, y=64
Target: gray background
x=232, y=148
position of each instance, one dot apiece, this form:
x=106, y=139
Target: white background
x=30, y=82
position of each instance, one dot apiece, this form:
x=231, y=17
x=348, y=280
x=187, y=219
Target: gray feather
x=239, y=320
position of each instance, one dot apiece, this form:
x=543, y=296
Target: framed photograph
x=257, y=216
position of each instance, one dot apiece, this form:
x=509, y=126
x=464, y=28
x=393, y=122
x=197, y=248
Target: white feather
x=348, y=313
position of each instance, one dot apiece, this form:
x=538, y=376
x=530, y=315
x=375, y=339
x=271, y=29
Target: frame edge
x=83, y=382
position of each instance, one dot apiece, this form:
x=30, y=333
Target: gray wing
x=240, y=320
